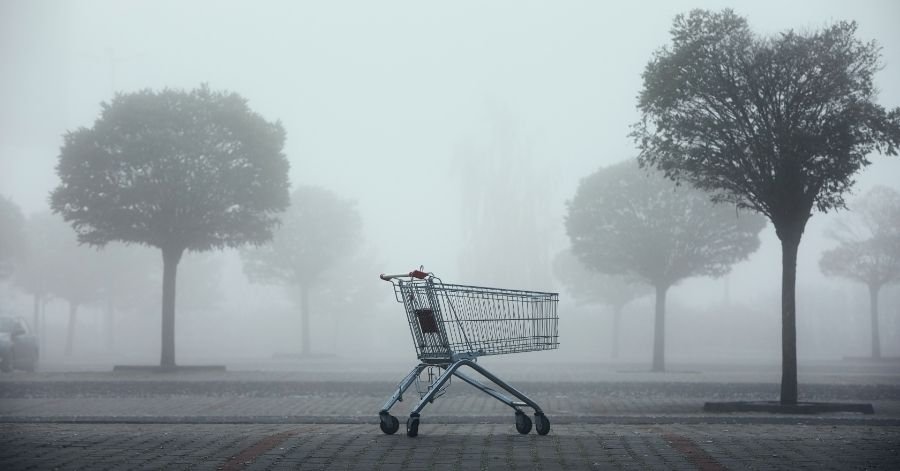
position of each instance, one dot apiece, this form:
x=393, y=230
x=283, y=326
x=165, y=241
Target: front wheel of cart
x=412, y=426
x=541, y=424
x=389, y=424
x=523, y=423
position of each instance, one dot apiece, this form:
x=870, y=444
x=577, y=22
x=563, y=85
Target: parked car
x=18, y=347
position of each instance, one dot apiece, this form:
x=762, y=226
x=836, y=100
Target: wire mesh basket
x=448, y=319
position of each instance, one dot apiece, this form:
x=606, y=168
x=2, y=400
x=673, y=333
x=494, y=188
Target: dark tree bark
x=659, y=330
x=70, y=332
x=171, y=257
x=304, y=320
x=873, y=311
x=789, y=245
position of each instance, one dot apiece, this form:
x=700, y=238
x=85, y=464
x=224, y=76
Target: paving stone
x=587, y=446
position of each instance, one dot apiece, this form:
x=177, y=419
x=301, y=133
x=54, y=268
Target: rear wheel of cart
x=389, y=424
x=412, y=426
x=541, y=424
x=523, y=423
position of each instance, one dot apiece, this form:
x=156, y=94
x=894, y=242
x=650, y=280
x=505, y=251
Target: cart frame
x=452, y=325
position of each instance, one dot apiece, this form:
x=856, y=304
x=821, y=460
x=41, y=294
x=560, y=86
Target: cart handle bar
x=413, y=274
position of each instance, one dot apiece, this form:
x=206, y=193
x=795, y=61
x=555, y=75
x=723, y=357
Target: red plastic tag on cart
x=418, y=274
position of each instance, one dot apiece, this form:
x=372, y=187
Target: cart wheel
x=389, y=424
x=523, y=423
x=541, y=424
x=412, y=426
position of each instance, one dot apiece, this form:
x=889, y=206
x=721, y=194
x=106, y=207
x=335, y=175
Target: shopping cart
x=453, y=325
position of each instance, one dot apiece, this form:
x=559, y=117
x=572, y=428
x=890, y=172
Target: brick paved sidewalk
x=447, y=447
x=259, y=420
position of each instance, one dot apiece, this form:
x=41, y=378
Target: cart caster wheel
x=523, y=423
x=541, y=424
x=412, y=426
x=389, y=424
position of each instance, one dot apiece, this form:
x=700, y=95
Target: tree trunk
x=304, y=320
x=873, y=311
x=617, y=321
x=171, y=257
x=659, y=330
x=70, y=332
x=789, y=247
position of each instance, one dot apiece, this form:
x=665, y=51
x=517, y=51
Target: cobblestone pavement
x=290, y=420
x=447, y=447
x=297, y=401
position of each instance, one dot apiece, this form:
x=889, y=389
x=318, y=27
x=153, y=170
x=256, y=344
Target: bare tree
x=869, y=249
x=775, y=124
x=627, y=222
x=505, y=208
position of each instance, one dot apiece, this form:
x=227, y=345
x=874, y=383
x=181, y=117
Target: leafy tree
x=869, y=249
x=593, y=287
x=317, y=231
x=58, y=266
x=775, y=124
x=174, y=170
x=626, y=222
x=32, y=274
x=12, y=238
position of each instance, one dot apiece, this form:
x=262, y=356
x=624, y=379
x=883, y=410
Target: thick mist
x=457, y=130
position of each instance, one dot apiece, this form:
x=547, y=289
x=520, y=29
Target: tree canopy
x=173, y=169
x=875, y=262
x=778, y=124
x=176, y=170
x=629, y=222
x=593, y=287
x=318, y=229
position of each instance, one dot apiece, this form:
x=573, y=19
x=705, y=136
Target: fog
x=459, y=129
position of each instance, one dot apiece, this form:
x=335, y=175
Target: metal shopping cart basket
x=453, y=325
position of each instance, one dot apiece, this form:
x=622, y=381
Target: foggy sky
x=376, y=96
